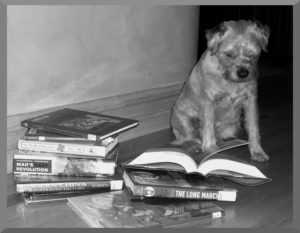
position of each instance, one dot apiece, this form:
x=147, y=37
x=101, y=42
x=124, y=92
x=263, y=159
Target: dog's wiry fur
x=222, y=85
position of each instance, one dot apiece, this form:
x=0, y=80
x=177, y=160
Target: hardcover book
x=41, y=163
x=99, y=149
x=40, y=198
x=211, y=162
x=172, y=184
x=76, y=123
x=117, y=210
x=54, y=184
x=41, y=135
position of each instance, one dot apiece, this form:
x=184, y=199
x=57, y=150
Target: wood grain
x=267, y=205
x=151, y=107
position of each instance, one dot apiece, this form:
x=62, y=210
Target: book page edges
x=222, y=164
x=166, y=156
x=119, y=130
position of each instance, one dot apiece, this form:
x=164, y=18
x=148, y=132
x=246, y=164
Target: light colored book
x=216, y=161
x=41, y=163
x=99, y=149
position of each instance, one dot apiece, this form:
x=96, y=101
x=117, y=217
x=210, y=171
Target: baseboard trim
x=151, y=107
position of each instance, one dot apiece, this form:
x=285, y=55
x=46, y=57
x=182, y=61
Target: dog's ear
x=214, y=36
x=261, y=33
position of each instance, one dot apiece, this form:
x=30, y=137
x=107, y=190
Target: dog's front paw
x=208, y=145
x=259, y=156
x=194, y=150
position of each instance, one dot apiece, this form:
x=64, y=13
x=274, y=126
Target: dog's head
x=237, y=45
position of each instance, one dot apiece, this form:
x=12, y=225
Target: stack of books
x=166, y=187
x=68, y=153
x=173, y=173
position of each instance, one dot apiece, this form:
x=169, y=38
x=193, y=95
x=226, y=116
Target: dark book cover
x=93, y=126
x=41, y=198
x=53, y=184
x=172, y=184
x=117, y=210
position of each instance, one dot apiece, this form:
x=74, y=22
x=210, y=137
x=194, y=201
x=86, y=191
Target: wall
x=59, y=55
x=126, y=61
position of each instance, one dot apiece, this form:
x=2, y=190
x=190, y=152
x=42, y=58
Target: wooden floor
x=268, y=205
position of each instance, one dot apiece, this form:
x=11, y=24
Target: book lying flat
x=76, y=123
x=99, y=149
x=42, y=163
x=40, y=198
x=172, y=184
x=117, y=210
x=213, y=162
x=53, y=184
x=41, y=135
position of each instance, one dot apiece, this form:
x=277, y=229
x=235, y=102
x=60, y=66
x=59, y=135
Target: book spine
x=35, y=198
x=199, y=215
x=57, y=130
x=62, y=165
x=29, y=201
x=64, y=148
x=117, y=131
x=107, y=185
x=55, y=139
x=184, y=193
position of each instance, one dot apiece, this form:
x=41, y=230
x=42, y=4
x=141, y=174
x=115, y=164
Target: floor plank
x=267, y=205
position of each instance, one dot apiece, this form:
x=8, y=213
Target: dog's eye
x=253, y=56
x=229, y=55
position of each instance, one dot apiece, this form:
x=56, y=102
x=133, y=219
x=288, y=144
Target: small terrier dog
x=221, y=87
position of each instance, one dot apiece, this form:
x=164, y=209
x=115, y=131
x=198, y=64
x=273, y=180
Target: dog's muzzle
x=242, y=72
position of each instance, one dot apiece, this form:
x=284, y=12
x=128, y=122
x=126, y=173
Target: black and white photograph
x=143, y=116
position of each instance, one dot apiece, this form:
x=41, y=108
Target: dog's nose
x=242, y=72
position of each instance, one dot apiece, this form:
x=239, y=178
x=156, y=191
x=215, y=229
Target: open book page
x=169, y=158
x=223, y=146
x=235, y=166
x=177, y=159
x=211, y=162
x=216, y=163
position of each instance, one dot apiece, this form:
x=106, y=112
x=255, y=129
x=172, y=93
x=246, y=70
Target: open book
x=211, y=162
